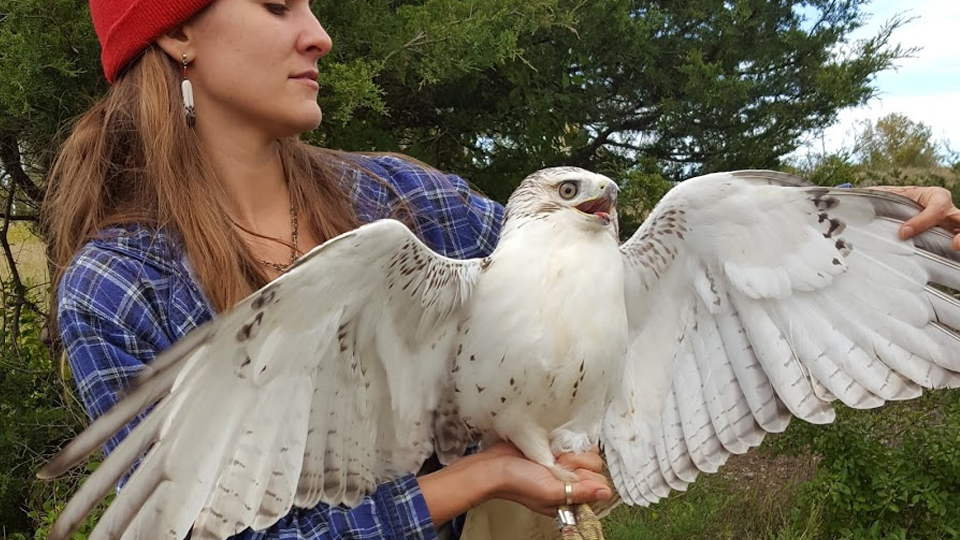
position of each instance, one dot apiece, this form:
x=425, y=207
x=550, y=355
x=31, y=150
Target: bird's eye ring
x=569, y=189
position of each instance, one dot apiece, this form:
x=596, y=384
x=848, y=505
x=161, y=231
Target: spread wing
x=752, y=299
x=316, y=388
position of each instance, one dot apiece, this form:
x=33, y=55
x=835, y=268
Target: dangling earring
x=187, y=88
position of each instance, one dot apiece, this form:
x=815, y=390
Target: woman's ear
x=175, y=43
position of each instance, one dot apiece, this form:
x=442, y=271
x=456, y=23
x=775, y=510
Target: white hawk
x=744, y=299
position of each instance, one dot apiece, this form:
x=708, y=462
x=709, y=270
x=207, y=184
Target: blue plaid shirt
x=128, y=295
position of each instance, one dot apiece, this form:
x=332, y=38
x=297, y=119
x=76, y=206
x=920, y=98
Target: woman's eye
x=569, y=189
x=278, y=9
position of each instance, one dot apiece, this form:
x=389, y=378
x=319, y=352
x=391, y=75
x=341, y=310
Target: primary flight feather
x=744, y=299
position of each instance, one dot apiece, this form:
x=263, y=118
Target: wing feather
x=288, y=455
x=788, y=376
x=768, y=411
x=774, y=299
x=812, y=351
x=666, y=470
x=946, y=309
x=728, y=407
x=674, y=443
x=243, y=481
x=702, y=442
x=314, y=389
x=108, y=474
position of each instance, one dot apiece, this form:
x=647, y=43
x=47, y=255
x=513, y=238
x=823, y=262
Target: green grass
x=752, y=498
x=29, y=254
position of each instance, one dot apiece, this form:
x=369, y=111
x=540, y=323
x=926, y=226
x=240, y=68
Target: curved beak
x=603, y=205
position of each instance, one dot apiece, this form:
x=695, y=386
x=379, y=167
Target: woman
x=171, y=202
x=156, y=222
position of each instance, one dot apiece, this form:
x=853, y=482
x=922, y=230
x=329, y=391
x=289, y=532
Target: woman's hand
x=938, y=209
x=501, y=471
x=534, y=486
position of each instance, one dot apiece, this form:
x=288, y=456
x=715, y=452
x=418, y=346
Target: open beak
x=603, y=205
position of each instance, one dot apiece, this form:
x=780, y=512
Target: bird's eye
x=569, y=189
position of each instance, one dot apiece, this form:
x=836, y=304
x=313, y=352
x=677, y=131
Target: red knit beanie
x=126, y=27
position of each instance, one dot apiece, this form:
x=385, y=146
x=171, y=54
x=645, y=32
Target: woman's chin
x=309, y=121
x=300, y=124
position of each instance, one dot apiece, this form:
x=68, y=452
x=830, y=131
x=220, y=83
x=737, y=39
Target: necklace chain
x=294, y=251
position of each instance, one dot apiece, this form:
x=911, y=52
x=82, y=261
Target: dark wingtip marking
x=835, y=226
x=247, y=330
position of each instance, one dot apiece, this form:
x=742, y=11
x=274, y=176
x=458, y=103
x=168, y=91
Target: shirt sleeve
x=396, y=510
x=110, y=329
x=452, y=219
x=112, y=319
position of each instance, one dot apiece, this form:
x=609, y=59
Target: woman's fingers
x=585, y=491
x=938, y=209
x=535, y=486
x=592, y=486
x=585, y=460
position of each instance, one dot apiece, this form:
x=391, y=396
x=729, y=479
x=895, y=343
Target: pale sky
x=925, y=88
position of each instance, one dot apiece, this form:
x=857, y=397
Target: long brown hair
x=133, y=159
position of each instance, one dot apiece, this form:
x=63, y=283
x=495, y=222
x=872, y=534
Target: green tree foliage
x=893, y=150
x=493, y=88
x=697, y=86
x=895, y=141
x=35, y=417
x=49, y=73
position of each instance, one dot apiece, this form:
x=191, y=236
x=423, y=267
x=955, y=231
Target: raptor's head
x=569, y=193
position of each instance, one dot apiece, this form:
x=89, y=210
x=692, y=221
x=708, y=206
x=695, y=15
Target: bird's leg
x=565, y=440
x=586, y=525
x=533, y=443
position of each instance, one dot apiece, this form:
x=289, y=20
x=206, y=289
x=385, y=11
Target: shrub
x=36, y=417
x=891, y=473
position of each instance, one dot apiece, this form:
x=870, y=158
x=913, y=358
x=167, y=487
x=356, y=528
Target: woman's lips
x=307, y=77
